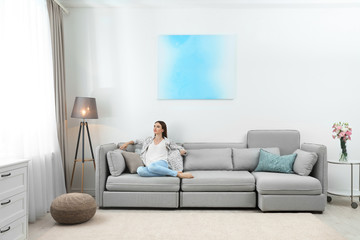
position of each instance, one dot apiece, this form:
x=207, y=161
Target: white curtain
x=27, y=122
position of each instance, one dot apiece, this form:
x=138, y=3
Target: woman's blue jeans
x=156, y=169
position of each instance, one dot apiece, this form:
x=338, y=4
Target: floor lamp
x=84, y=108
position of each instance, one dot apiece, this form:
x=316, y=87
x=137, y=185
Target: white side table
x=347, y=193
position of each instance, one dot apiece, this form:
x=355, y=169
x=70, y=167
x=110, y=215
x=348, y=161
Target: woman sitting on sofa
x=160, y=155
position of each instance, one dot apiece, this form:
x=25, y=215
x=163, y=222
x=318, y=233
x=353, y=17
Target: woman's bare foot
x=185, y=175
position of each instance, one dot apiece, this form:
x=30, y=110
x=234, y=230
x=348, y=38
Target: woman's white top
x=156, y=153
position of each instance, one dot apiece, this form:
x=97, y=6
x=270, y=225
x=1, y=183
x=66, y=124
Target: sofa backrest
x=286, y=140
x=136, y=147
x=188, y=146
x=131, y=148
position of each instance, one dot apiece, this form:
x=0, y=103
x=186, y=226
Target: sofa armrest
x=320, y=170
x=102, y=170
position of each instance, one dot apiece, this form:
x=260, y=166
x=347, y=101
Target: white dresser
x=13, y=199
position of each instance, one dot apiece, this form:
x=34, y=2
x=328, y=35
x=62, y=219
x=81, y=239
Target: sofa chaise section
x=290, y=192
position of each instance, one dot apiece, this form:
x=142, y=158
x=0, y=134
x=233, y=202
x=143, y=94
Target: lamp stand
x=83, y=124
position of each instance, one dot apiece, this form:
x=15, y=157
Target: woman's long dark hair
x=163, y=126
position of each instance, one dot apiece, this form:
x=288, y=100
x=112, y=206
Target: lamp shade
x=84, y=107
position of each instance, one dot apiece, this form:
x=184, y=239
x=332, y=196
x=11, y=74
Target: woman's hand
x=182, y=152
x=124, y=146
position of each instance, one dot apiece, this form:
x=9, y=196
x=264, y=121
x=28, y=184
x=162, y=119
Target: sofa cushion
x=219, y=181
x=116, y=162
x=133, y=161
x=268, y=183
x=208, y=159
x=127, y=182
x=247, y=159
x=304, y=162
x=136, y=148
x=269, y=162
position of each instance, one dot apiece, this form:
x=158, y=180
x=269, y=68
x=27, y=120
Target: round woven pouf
x=73, y=208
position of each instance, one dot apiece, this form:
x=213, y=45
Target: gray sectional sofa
x=223, y=178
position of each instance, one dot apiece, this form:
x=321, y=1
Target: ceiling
x=198, y=3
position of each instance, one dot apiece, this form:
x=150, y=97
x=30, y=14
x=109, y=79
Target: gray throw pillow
x=208, y=159
x=116, y=162
x=304, y=162
x=248, y=158
x=133, y=161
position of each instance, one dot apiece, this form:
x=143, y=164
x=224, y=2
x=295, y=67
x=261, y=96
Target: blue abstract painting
x=196, y=66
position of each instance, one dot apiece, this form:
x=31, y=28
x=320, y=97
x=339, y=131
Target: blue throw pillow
x=269, y=162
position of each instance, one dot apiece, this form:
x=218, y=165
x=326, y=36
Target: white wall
x=297, y=68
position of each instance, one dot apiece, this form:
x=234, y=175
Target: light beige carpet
x=194, y=224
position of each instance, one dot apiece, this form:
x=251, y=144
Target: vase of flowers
x=343, y=132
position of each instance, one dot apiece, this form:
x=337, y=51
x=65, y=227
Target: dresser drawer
x=13, y=182
x=12, y=208
x=16, y=230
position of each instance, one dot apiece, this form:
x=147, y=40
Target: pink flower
x=342, y=131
